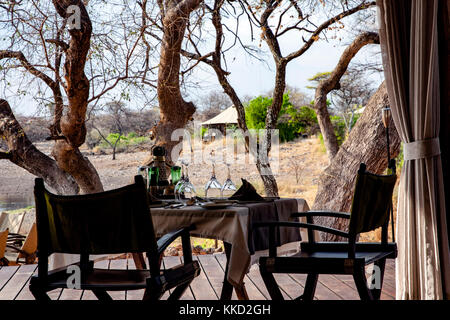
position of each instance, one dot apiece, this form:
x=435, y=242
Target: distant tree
x=212, y=104
x=118, y=114
x=354, y=93
x=275, y=19
x=332, y=82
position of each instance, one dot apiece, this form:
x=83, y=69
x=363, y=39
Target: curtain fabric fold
x=409, y=42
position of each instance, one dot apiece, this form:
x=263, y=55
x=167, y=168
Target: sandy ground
x=304, y=158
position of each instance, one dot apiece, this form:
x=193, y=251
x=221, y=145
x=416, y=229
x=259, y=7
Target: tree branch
x=325, y=25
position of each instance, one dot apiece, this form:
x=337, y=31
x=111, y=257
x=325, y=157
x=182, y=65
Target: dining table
x=233, y=224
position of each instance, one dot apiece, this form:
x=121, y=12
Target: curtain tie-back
x=422, y=149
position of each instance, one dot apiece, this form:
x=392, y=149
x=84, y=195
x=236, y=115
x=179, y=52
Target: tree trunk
x=175, y=112
x=73, y=128
x=331, y=83
x=24, y=154
x=366, y=143
x=326, y=127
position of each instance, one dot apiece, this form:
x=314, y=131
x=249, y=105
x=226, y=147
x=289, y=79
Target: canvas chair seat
x=120, y=280
x=332, y=262
x=371, y=209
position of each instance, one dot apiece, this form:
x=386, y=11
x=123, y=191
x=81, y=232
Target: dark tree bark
x=175, y=111
x=332, y=83
x=366, y=143
x=24, y=154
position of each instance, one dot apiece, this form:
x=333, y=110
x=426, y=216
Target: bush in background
x=292, y=121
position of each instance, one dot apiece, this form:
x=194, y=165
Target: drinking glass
x=184, y=190
x=143, y=171
x=213, y=186
x=228, y=187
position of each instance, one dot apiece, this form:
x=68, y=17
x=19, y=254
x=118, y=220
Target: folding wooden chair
x=112, y=222
x=3, y=239
x=372, y=203
x=27, y=252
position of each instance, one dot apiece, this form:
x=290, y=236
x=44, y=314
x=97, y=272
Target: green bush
x=340, y=130
x=292, y=120
x=131, y=139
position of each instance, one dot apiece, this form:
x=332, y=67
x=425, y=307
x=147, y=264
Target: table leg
x=227, y=288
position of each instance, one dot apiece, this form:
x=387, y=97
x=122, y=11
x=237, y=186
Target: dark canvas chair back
x=372, y=201
x=116, y=221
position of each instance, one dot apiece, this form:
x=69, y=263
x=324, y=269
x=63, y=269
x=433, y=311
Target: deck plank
x=17, y=282
x=118, y=264
x=14, y=282
x=87, y=294
x=322, y=291
x=201, y=289
x=216, y=272
x=6, y=274
x=252, y=280
x=134, y=294
x=170, y=262
x=213, y=271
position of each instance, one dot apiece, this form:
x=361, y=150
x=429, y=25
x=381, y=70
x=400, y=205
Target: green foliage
x=203, y=131
x=317, y=78
x=292, y=120
x=131, y=139
x=340, y=130
x=256, y=112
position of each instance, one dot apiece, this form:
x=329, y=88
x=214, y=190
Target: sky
x=250, y=77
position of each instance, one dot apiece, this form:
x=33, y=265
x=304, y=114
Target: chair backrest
x=3, y=240
x=115, y=221
x=11, y=221
x=30, y=244
x=372, y=201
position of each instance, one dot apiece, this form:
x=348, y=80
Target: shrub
x=292, y=120
x=131, y=139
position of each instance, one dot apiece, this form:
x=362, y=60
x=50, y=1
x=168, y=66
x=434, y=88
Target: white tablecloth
x=230, y=225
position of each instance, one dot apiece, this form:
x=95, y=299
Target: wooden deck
x=207, y=286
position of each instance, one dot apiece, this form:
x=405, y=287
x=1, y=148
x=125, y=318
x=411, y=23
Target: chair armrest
x=273, y=224
x=320, y=213
x=168, y=238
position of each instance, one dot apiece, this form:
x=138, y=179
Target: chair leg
x=376, y=292
x=39, y=294
x=359, y=275
x=102, y=295
x=179, y=291
x=271, y=285
x=152, y=294
x=310, y=286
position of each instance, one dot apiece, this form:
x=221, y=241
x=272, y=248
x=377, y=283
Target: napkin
x=246, y=192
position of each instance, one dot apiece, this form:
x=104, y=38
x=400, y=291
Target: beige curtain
x=409, y=40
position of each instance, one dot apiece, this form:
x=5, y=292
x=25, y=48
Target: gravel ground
x=302, y=157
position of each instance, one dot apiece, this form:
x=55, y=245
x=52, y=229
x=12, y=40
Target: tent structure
x=224, y=119
x=228, y=116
